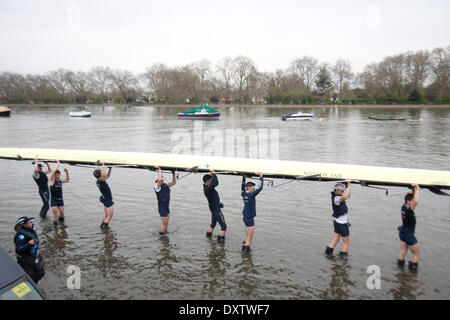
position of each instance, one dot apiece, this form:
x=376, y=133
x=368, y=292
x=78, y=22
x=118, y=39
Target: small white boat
x=297, y=116
x=80, y=114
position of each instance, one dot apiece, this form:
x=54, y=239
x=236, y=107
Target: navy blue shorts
x=407, y=236
x=341, y=228
x=163, y=211
x=56, y=202
x=107, y=202
x=249, y=221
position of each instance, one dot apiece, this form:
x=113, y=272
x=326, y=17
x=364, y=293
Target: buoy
x=320, y=119
x=421, y=120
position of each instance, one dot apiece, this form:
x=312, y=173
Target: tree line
x=410, y=77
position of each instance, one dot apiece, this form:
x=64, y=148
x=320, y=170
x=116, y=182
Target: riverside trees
x=409, y=77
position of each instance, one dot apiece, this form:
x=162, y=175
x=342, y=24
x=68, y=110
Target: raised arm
x=346, y=194
x=415, y=198
x=53, y=174
x=159, y=179
x=261, y=184
x=174, y=180
x=48, y=167
x=36, y=168
x=243, y=184
x=67, y=179
x=214, y=180
x=104, y=176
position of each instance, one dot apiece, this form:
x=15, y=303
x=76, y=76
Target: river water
x=293, y=222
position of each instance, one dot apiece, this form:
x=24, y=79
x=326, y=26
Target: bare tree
x=440, y=68
x=203, y=70
x=78, y=82
x=225, y=70
x=342, y=76
x=100, y=81
x=306, y=69
x=126, y=83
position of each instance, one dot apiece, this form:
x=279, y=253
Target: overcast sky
x=38, y=36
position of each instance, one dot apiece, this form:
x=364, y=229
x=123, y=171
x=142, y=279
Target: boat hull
x=80, y=115
x=209, y=116
x=5, y=112
x=367, y=175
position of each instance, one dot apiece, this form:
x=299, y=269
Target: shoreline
x=219, y=106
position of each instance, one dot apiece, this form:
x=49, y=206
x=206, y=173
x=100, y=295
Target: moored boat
x=80, y=114
x=201, y=112
x=297, y=116
x=4, y=111
x=386, y=118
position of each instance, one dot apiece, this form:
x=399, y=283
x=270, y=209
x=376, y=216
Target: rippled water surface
x=293, y=223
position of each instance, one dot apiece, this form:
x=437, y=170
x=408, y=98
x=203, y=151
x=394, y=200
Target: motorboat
x=201, y=112
x=297, y=116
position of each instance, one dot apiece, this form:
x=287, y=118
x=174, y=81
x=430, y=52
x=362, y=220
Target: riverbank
x=222, y=106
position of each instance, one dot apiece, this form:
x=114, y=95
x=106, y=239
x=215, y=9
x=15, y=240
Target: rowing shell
x=365, y=175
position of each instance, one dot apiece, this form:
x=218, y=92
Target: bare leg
x=346, y=245
x=55, y=213
x=249, y=231
x=334, y=242
x=61, y=212
x=416, y=252
x=165, y=223
x=403, y=251
x=109, y=214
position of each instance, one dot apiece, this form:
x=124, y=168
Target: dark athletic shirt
x=408, y=218
x=104, y=188
x=249, y=210
x=42, y=181
x=211, y=194
x=163, y=195
x=56, y=190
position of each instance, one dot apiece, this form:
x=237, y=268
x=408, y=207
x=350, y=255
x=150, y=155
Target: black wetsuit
x=42, y=182
x=27, y=255
x=214, y=204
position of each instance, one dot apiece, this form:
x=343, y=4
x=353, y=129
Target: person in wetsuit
x=340, y=220
x=27, y=248
x=41, y=179
x=162, y=191
x=106, y=197
x=210, y=182
x=56, y=192
x=407, y=230
x=249, y=193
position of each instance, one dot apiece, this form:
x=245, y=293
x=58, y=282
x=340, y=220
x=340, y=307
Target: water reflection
x=107, y=262
x=247, y=283
x=408, y=286
x=164, y=263
x=216, y=269
x=340, y=282
x=54, y=240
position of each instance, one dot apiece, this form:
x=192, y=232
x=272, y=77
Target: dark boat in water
x=386, y=118
x=201, y=112
x=4, y=111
